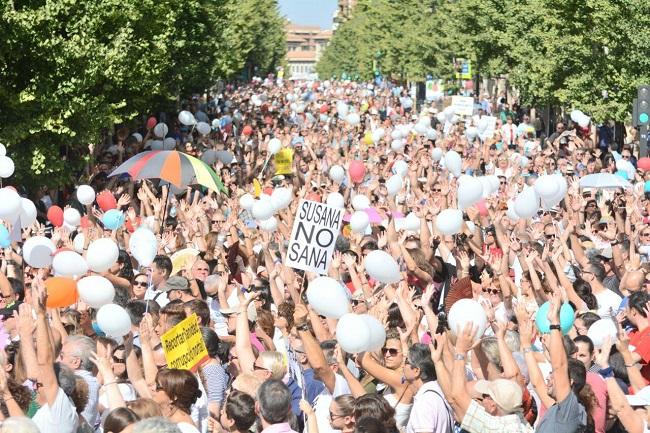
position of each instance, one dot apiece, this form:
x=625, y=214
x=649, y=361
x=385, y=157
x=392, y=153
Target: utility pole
x=641, y=117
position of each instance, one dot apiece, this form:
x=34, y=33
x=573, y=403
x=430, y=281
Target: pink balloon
x=482, y=207
x=357, y=170
x=151, y=122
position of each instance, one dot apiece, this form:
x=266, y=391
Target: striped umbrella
x=175, y=167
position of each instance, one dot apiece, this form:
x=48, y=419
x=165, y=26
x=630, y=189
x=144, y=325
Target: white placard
x=463, y=105
x=491, y=127
x=313, y=236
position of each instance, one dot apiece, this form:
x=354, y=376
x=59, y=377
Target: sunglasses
x=550, y=236
x=140, y=283
x=117, y=360
x=218, y=221
x=390, y=351
x=492, y=291
x=356, y=302
x=437, y=190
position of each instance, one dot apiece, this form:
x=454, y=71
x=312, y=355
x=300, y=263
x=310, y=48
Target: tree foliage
x=71, y=68
x=587, y=54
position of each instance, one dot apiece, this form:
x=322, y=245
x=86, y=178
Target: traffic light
x=643, y=105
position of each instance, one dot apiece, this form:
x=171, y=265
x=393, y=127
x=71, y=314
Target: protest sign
x=463, y=105
x=313, y=236
x=284, y=161
x=491, y=123
x=183, y=345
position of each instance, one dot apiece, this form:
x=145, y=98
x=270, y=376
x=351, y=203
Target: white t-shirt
x=200, y=408
x=606, y=300
x=430, y=411
x=323, y=401
x=61, y=417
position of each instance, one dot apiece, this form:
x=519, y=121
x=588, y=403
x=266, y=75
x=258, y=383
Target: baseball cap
x=252, y=312
x=641, y=398
x=606, y=253
x=8, y=311
x=175, y=283
x=505, y=393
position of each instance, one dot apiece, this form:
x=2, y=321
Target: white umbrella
x=603, y=180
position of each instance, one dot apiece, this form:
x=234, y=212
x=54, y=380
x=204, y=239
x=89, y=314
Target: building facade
x=305, y=44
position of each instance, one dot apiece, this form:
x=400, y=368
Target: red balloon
x=324, y=108
x=482, y=207
x=357, y=170
x=644, y=163
x=85, y=222
x=151, y=122
x=55, y=216
x=106, y=201
x=247, y=130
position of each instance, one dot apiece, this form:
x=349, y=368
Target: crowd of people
x=274, y=362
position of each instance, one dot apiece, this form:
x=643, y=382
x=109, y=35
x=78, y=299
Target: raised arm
x=243, y=338
x=559, y=361
x=44, y=349
x=314, y=353
x=460, y=398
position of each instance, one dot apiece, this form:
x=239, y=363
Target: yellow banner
x=183, y=345
x=257, y=188
x=284, y=161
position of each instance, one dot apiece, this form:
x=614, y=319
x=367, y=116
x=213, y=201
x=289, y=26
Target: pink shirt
x=257, y=343
x=599, y=412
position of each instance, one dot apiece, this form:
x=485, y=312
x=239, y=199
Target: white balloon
x=510, y=213
x=335, y=199
x=11, y=204
x=448, y=112
x=432, y=134
x=420, y=128
x=169, y=143
x=584, y=121
x=269, y=225
x=203, y=128
x=436, y=154
x=526, y=203
x=482, y=125
x=328, y=297
x=186, y=118
x=471, y=133
x=442, y=118
x=72, y=217
x=559, y=196
x=382, y=267
x=469, y=192
x=401, y=167
x=38, y=251
x=377, y=333
x=27, y=213
x=546, y=186
x=425, y=120
x=600, y=329
x=449, y=221
x=69, y=264
x=396, y=134
x=85, y=194
x=157, y=144
x=78, y=243
x=143, y=245
x=394, y=184
x=353, y=333
x=102, y=254
x=281, y=198
x=494, y=182
x=397, y=145
x=359, y=221
x=353, y=119
x=96, y=291
x=360, y=202
x=137, y=136
x=246, y=201
x=337, y=173
x=342, y=108
x=160, y=130
x=6, y=166
x=274, y=146
x=464, y=311
x=576, y=115
x=262, y=210
x=453, y=162
x=113, y=320
x=3, y=150
x=412, y=222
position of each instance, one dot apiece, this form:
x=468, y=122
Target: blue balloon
x=5, y=239
x=646, y=186
x=113, y=219
x=622, y=174
x=567, y=318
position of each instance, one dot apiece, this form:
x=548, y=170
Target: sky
x=309, y=12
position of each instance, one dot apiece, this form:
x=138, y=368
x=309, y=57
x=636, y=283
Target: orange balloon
x=61, y=292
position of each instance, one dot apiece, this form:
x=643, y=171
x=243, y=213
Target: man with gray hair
x=75, y=354
x=155, y=425
x=274, y=407
x=18, y=424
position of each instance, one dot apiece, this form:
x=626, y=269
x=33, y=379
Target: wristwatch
x=555, y=328
x=304, y=327
x=459, y=357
